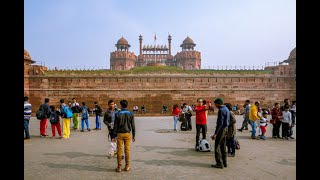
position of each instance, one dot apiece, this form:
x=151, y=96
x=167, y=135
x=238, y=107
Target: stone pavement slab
x=158, y=153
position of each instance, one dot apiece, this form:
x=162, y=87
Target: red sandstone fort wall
x=155, y=90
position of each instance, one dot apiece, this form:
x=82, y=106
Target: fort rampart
x=154, y=90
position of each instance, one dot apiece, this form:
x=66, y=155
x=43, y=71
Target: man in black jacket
x=44, y=122
x=123, y=125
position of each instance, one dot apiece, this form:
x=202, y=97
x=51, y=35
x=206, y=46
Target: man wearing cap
x=219, y=136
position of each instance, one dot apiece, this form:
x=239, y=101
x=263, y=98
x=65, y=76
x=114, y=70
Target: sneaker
x=239, y=130
x=89, y=129
x=82, y=130
x=225, y=165
x=127, y=168
x=275, y=137
x=196, y=148
x=286, y=138
x=291, y=137
x=245, y=129
x=217, y=166
x=118, y=169
x=230, y=155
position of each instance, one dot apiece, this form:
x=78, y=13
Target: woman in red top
x=276, y=114
x=175, y=112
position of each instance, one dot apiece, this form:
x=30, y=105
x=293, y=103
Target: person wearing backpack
x=84, y=116
x=75, y=113
x=44, y=120
x=55, y=121
x=66, y=118
x=98, y=111
x=27, y=115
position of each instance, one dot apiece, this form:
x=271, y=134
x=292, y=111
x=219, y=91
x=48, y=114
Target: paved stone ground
x=158, y=153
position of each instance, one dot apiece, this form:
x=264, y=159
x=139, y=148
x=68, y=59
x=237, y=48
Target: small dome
x=27, y=55
x=122, y=41
x=188, y=41
x=292, y=54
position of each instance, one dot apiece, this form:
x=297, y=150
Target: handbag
x=237, y=144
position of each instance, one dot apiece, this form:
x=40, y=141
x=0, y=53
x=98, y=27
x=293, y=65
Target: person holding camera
x=186, y=109
x=201, y=120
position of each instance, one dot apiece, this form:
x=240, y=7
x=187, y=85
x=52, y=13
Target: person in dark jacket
x=219, y=136
x=98, y=111
x=231, y=142
x=108, y=119
x=44, y=121
x=123, y=125
x=55, y=121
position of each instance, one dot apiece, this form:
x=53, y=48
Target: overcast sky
x=230, y=32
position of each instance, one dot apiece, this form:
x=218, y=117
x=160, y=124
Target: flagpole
x=155, y=38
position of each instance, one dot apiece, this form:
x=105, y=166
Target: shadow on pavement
x=74, y=154
x=80, y=167
x=174, y=163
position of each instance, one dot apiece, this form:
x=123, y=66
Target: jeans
x=98, y=122
x=26, y=128
x=85, y=121
x=189, y=126
x=253, y=125
x=175, y=119
x=123, y=138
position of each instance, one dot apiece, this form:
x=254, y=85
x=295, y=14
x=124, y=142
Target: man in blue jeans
x=98, y=112
x=27, y=115
x=253, y=116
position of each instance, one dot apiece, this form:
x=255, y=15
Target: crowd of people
x=120, y=123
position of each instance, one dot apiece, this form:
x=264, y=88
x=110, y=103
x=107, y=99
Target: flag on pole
x=155, y=37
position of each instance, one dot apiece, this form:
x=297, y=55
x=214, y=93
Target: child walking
x=286, y=122
x=263, y=125
x=84, y=116
x=55, y=122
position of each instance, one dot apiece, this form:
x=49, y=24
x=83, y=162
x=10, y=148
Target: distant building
x=155, y=55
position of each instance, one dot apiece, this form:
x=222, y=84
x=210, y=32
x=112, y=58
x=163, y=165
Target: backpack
x=84, y=113
x=183, y=126
x=54, y=118
x=40, y=114
x=204, y=146
x=67, y=113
